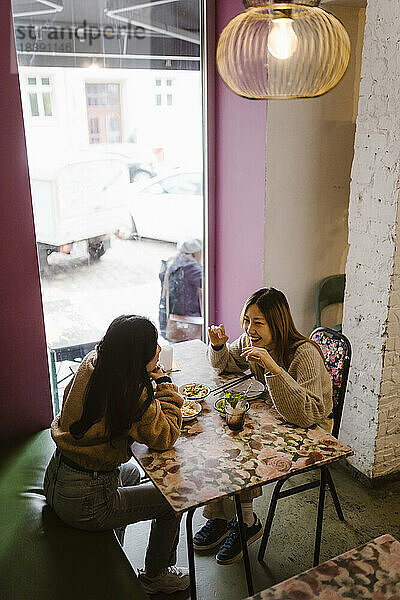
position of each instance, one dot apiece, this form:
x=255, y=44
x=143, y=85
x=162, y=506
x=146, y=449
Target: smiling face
x=257, y=328
x=151, y=365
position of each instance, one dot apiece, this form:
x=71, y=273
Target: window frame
x=38, y=89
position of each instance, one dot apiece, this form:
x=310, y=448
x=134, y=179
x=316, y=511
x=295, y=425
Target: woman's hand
x=157, y=373
x=217, y=335
x=261, y=357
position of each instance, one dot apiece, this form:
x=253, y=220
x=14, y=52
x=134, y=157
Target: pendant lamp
x=283, y=50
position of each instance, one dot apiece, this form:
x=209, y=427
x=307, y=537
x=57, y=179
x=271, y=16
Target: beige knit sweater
x=302, y=394
x=158, y=428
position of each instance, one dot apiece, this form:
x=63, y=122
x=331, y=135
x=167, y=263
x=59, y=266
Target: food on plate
x=190, y=409
x=194, y=390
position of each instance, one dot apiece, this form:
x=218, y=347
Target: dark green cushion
x=40, y=556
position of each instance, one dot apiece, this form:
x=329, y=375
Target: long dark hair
x=275, y=308
x=119, y=377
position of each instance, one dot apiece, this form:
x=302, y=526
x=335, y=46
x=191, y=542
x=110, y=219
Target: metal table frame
x=190, y=549
x=325, y=476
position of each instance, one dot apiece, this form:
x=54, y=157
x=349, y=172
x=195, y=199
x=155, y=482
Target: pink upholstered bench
x=369, y=572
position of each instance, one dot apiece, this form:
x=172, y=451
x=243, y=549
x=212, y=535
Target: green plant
x=233, y=398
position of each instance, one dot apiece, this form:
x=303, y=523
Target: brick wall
x=371, y=420
x=387, y=453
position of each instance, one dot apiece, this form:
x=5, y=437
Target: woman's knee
x=129, y=474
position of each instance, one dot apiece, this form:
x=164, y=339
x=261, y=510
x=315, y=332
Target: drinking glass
x=235, y=416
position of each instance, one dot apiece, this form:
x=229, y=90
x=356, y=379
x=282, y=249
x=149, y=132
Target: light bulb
x=282, y=40
x=94, y=67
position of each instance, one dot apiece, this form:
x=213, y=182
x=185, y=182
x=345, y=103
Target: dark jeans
x=113, y=500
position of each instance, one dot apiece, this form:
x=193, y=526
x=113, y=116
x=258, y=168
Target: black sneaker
x=231, y=550
x=211, y=534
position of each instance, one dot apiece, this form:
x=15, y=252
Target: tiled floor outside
x=80, y=298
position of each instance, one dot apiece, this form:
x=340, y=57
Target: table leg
x=320, y=515
x=189, y=539
x=244, y=545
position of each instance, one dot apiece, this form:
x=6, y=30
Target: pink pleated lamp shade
x=283, y=50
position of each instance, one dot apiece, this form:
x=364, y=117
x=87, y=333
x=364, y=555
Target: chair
x=329, y=291
x=59, y=353
x=337, y=353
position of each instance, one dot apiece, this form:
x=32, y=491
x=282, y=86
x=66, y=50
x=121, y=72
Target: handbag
x=180, y=328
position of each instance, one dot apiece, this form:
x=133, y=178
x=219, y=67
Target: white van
x=77, y=206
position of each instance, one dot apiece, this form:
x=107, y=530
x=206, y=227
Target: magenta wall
x=240, y=134
x=25, y=404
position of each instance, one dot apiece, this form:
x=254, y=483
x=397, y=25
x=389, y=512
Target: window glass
x=104, y=108
x=46, y=96
x=114, y=136
x=94, y=125
x=34, y=105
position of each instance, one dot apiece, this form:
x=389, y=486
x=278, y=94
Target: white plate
x=199, y=409
x=203, y=394
x=255, y=390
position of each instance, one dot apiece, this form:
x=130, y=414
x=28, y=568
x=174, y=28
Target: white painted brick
x=371, y=316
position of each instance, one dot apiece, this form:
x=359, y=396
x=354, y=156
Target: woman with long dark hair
x=109, y=404
x=297, y=384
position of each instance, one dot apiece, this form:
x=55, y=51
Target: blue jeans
x=98, y=501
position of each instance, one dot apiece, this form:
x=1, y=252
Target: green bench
x=41, y=558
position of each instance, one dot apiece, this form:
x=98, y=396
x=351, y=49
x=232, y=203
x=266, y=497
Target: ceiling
x=116, y=33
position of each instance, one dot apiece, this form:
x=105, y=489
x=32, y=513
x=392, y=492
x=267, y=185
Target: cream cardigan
x=302, y=394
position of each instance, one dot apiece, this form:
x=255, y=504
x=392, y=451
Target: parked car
x=167, y=207
x=140, y=161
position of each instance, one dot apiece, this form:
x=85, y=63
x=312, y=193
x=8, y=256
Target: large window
x=112, y=100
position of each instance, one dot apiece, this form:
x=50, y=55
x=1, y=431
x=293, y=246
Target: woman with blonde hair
x=297, y=384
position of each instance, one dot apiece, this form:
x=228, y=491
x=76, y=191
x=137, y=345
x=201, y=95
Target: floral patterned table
x=369, y=572
x=210, y=461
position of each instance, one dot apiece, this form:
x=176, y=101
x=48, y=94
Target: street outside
x=82, y=297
